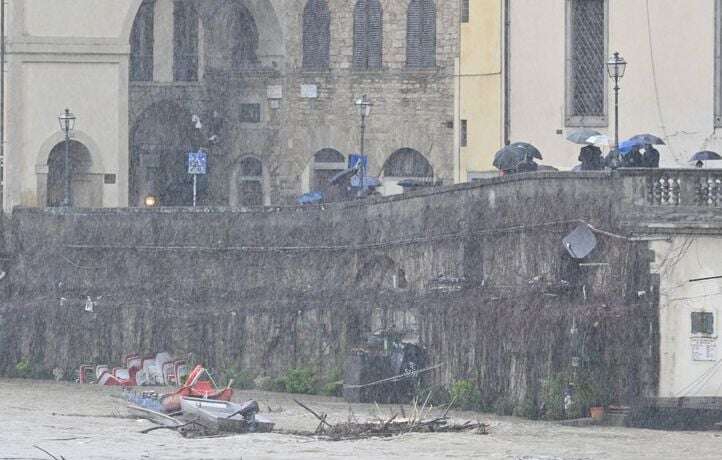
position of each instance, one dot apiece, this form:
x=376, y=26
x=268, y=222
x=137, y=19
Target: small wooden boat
x=226, y=416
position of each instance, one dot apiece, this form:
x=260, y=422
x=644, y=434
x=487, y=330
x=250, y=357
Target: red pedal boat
x=199, y=384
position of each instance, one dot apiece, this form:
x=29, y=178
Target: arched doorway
x=86, y=189
x=406, y=165
x=326, y=164
x=160, y=142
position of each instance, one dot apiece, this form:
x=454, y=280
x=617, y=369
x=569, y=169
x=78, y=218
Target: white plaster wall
x=75, y=18
x=673, y=98
x=678, y=261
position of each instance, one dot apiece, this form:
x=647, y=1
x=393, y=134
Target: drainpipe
x=507, y=71
x=2, y=103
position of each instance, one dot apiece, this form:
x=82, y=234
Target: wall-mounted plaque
x=704, y=349
x=309, y=91
x=274, y=92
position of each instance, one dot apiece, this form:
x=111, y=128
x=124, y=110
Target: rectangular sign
x=355, y=159
x=704, y=349
x=197, y=162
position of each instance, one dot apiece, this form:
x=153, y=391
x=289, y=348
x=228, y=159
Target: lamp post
x=363, y=105
x=67, y=124
x=616, y=65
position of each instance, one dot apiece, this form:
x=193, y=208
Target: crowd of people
x=591, y=159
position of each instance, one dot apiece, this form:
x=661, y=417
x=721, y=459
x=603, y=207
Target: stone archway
x=160, y=141
x=86, y=188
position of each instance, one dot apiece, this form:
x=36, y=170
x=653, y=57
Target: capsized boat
x=226, y=416
x=199, y=384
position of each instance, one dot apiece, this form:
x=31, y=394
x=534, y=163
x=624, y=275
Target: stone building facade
x=266, y=87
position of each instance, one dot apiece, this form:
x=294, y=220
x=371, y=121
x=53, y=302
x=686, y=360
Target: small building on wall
x=265, y=87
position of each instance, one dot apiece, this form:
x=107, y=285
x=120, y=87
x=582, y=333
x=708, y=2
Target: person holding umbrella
x=704, y=155
x=651, y=157
x=590, y=156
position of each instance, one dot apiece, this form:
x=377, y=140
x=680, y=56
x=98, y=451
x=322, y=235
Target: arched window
x=185, y=41
x=243, y=37
x=141, y=43
x=250, y=182
x=421, y=34
x=408, y=163
x=367, y=35
x=326, y=164
x=316, y=35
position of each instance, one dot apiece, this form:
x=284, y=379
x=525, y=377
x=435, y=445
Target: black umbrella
x=581, y=136
x=508, y=158
x=705, y=155
x=644, y=139
x=528, y=149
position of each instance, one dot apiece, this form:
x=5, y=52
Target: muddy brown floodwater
x=90, y=422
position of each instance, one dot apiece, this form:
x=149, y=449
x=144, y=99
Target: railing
x=680, y=187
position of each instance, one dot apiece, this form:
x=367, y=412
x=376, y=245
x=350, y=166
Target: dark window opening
x=250, y=182
x=250, y=113
x=587, y=60
x=141, y=43
x=702, y=323
x=316, y=35
x=421, y=34
x=185, y=41
x=408, y=163
x=367, y=35
x=464, y=134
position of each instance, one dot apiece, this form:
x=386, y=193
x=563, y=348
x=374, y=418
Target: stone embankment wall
x=269, y=289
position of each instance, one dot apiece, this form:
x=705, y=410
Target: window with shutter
x=250, y=182
x=464, y=10
x=702, y=323
x=141, y=43
x=185, y=41
x=421, y=34
x=586, y=47
x=367, y=35
x=316, y=35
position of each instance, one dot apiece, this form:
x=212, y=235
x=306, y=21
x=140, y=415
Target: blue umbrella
x=643, y=139
x=310, y=198
x=627, y=146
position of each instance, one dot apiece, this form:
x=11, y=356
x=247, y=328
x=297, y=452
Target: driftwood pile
x=418, y=421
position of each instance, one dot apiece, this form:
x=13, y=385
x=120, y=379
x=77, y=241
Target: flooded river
x=91, y=422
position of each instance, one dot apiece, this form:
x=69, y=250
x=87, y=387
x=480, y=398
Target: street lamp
x=363, y=105
x=67, y=125
x=616, y=65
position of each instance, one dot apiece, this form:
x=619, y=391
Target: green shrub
x=300, y=380
x=242, y=380
x=332, y=389
x=526, y=409
x=264, y=383
x=23, y=369
x=465, y=395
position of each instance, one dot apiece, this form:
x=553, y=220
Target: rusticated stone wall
x=274, y=288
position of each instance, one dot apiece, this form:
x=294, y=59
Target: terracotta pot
x=597, y=412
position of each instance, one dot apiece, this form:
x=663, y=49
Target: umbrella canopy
x=581, y=136
x=310, y=198
x=600, y=139
x=627, y=146
x=528, y=149
x=643, y=139
x=508, y=158
x=705, y=155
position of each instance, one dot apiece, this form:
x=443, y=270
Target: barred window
x=464, y=10
x=250, y=182
x=586, y=47
x=316, y=35
x=185, y=41
x=141, y=43
x=408, y=162
x=702, y=323
x=421, y=34
x=367, y=35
